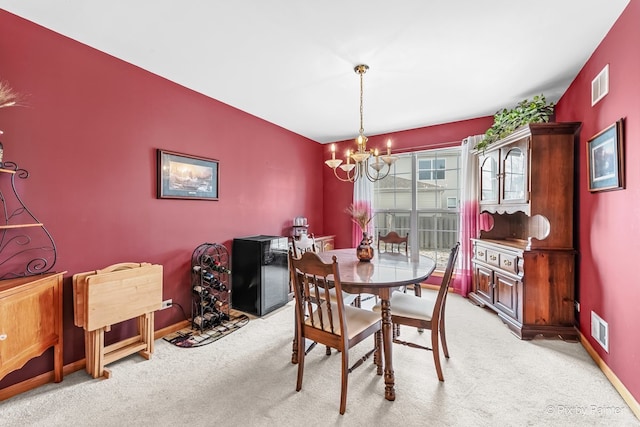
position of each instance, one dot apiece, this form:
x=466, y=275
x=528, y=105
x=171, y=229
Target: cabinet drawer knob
x=493, y=257
x=508, y=263
x=3, y=337
x=480, y=253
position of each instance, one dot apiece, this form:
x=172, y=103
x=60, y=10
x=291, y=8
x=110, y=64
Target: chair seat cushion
x=408, y=305
x=357, y=319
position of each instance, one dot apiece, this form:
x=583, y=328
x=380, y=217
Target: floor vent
x=600, y=331
x=600, y=86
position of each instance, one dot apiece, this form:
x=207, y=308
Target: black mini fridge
x=260, y=273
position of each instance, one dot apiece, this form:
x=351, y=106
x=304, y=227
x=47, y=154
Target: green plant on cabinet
x=538, y=110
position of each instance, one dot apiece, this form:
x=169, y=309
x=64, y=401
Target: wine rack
x=211, y=291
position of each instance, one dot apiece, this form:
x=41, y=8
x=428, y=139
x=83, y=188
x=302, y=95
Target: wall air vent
x=600, y=331
x=600, y=85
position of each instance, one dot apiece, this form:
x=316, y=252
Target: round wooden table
x=381, y=276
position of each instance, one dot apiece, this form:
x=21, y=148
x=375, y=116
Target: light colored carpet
x=246, y=379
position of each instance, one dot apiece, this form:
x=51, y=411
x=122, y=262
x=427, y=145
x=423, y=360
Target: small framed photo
x=182, y=176
x=605, y=159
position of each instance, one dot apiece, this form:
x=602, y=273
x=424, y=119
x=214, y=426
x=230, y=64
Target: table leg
x=389, y=377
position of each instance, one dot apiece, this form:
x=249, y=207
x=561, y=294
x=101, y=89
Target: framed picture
x=181, y=176
x=605, y=159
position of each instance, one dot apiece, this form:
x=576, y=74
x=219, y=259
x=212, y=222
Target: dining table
x=381, y=276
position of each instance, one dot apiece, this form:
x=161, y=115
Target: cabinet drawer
x=480, y=253
x=509, y=263
x=493, y=257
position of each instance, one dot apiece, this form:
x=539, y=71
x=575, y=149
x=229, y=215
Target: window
x=419, y=197
x=431, y=169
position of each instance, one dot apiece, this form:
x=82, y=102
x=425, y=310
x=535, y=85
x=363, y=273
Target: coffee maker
x=300, y=227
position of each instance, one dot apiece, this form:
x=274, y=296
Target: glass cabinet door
x=489, y=178
x=514, y=173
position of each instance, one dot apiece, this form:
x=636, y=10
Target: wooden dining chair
x=393, y=241
x=425, y=312
x=306, y=243
x=329, y=321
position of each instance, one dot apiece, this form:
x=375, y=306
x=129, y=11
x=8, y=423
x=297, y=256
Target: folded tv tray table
x=112, y=295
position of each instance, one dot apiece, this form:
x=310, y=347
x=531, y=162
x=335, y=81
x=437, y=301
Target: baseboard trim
x=48, y=377
x=613, y=379
x=433, y=287
x=27, y=385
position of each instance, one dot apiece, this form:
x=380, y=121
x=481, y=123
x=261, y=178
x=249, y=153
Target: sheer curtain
x=468, y=213
x=362, y=197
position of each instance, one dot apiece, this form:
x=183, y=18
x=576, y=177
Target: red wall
x=339, y=195
x=609, y=225
x=88, y=138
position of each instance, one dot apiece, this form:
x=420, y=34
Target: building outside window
x=431, y=169
x=421, y=197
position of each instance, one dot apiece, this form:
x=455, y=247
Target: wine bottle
x=208, y=300
x=199, y=321
x=219, y=286
x=201, y=291
x=208, y=276
x=212, y=318
x=217, y=266
x=223, y=316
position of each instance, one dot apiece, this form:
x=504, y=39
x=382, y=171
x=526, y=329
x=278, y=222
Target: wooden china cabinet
x=524, y=260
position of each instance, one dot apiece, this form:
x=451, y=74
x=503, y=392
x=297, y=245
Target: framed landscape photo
x=605, y=159
x=182, y=176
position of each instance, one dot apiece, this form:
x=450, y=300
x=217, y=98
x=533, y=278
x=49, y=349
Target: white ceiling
x=291, y=62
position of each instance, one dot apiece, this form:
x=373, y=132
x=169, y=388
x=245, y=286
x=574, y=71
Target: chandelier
x=365, y=163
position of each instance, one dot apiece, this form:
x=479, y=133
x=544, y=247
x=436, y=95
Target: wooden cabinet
x=503, y=177
x=30, y=321
x=506, y=294
x=483, y=283
x=524, y=263
x=325, y=243
x=498, y=277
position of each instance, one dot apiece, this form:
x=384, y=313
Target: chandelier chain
x=361, y=104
